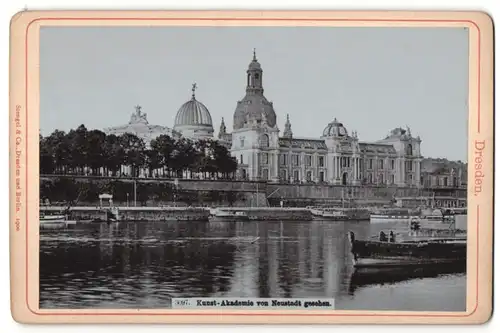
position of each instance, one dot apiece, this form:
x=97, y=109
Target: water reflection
x=130, y=265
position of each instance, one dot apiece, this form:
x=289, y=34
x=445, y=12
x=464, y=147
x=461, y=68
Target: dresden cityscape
x=138, y=214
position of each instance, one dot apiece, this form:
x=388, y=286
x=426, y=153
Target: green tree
x=134, y=151
x=115, y=154
x=224, y=163
x=96, y=150
x=183, y=157
x=163, y=146
x=77, y=142
x=46, y=157
x=60, y=149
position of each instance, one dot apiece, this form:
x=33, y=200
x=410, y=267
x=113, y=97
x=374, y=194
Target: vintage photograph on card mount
x=286, y=168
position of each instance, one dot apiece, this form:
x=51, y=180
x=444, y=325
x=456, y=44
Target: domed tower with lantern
x=255, y=134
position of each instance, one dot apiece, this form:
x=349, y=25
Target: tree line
x=92, y=152
x=83, y=191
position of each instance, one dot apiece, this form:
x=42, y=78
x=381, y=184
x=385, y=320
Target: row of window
x=295, y=159
x=370, y=178
x=296, y=175
x=344, y=161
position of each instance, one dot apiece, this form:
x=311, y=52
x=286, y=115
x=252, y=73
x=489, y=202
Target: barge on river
x=403, y=215
x=388, y=252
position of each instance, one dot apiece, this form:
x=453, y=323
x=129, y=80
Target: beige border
x=24, y=117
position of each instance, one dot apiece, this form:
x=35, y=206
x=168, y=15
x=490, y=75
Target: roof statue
x=408, y=130
x=193, y=89
x=264, y=118
x=138, y=116
x=288, y=128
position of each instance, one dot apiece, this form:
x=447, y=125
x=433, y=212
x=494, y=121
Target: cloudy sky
x=370, y=79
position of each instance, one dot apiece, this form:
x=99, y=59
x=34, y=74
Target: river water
x=146, y=264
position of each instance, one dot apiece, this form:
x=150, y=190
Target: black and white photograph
x=255, y=162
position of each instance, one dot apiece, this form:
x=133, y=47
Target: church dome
x=254, y=106
x=193, y=117
x=335, y=129
x=193, y=112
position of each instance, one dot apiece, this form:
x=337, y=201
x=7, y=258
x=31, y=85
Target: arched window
x=264, y=140
x=409, y=150
x=248, y=79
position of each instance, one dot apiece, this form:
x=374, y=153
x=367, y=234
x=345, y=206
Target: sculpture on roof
x=138, y=116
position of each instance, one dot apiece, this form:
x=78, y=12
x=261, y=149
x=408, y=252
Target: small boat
x=365, y=277
x=52, y=218
x=391, y=215
x=405, y=215
x=386, y=252
x=328, y=214
x=55, y=221
x=228, y=215
x=315, y=211
x=334, y=215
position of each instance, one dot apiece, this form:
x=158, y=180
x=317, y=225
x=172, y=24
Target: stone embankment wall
x=210, y=193
x=137, y=213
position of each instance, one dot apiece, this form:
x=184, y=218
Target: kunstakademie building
x=265, y=153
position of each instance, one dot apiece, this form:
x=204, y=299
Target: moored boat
x=55, y=221
x=391, y=215
x=329, y=214
x=436, y=216
x=220, y=214
x=378, y=276
x=387, y=252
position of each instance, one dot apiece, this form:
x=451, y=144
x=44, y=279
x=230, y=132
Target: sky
x=370, y=79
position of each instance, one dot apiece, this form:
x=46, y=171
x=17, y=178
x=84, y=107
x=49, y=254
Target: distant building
x=336, y=157
x=139, y=126
x=443, y=173
x=192, y=121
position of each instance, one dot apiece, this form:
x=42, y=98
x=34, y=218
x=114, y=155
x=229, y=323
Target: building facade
x=139, y=126
x=443, y=173
x=192, y=121
x=335, y=157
